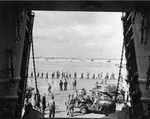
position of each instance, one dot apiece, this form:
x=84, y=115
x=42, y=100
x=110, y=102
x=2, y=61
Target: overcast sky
x=77, y=34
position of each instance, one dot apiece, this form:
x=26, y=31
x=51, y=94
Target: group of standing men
x=72, y=101
x=65, y=83
x=61, y=85
x=40, y=102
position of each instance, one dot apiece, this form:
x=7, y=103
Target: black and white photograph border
x=74, y=59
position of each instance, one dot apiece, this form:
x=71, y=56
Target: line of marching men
x=66, y=75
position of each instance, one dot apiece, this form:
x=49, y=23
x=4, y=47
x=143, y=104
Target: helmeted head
x=52, y=96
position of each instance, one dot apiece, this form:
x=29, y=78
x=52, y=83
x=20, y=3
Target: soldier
x=88, y=74
x=76, y=94
x=71, y=106
x=57, y=73
x=46, y=75
x=67, y=77
x=101, y=76
x=70, y=75
x=127, y=99
x=37, y=100
x=93, y=76
x=49, y=88
x=105, y=81
x=60, y=85
x=42, y=75
x=27, y=106
x=67, y=104
x=96, y=85
x=51, y=105
x=63, y=75
x=74, y=83
x=121, y=78
x=83, y=92
x=107, y=76
x=123, y=93
x=38, y=75
x=112, y=76
x=82, y=77
x=65, y=84
x=96, y=99
x=75, y=75
x=34, y=99
x=31, y=76
x=98, y=77
x=53, y=75
x=43, y=103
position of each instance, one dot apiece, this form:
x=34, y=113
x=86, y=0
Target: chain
x=12, y=84
x=19, y=21
x=119, y=76
x=33, y=57
x=34, y=64
x=142, y=28
x=148, y=74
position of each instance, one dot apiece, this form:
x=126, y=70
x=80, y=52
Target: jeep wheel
x=107, y=111
x=83, y=110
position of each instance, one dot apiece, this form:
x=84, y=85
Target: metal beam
x=92, y=6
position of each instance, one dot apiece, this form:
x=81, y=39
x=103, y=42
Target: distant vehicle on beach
x=108, y=60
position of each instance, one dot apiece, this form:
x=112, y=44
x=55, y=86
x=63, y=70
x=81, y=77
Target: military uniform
x=75, y=75
x=82, y=77
x=49, y=88
x=74, y=83
x=88, y=74
x=43, y=103
x=65, y=85
x=51, y=105
x=60, y=84
x=67, y=104
x=71, y=106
